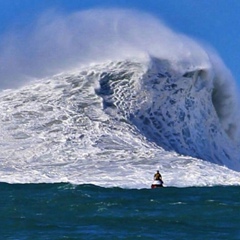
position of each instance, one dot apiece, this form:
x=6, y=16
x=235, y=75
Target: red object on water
x=157, y=184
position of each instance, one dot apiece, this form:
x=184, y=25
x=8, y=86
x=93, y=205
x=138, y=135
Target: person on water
x=158, y=176
x=158, y=182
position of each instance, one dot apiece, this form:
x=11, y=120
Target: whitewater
x=146, y=102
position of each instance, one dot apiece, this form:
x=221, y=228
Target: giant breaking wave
x=152, y=99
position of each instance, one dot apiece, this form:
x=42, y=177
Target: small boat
x=157, y=184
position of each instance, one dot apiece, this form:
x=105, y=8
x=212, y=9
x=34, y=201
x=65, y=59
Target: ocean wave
x=114, y=120
x=157, y=100
x=186, y=112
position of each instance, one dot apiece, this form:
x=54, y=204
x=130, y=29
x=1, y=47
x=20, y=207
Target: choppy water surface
x=65, y=211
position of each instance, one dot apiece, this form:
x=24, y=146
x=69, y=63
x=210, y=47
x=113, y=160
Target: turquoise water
x=65, y=211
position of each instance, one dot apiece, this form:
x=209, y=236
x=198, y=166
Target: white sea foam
x=76, y=129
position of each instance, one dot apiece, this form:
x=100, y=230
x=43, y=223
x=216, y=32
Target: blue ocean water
x=66, y=211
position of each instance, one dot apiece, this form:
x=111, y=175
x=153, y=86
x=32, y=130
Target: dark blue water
x=65, y=211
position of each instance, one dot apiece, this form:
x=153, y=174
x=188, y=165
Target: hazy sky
x=213, y=22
